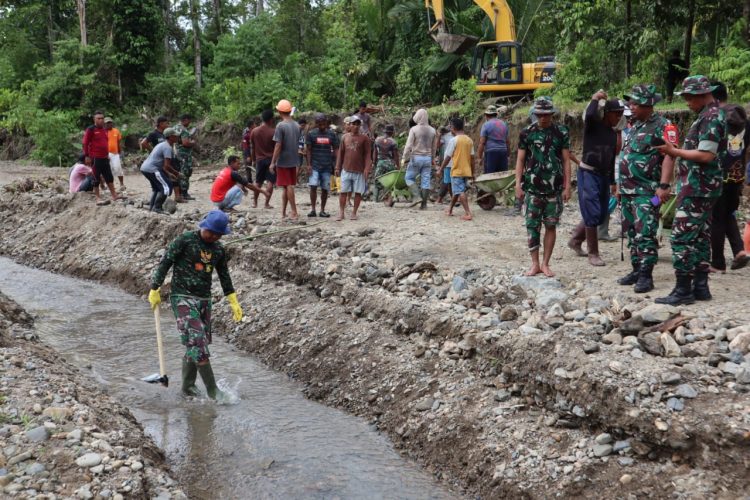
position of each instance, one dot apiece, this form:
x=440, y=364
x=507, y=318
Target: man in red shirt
x=229, y=186
x=96, y=149
x=261, y=151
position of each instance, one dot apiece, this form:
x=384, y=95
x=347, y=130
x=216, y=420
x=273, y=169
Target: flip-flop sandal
x=740, y=262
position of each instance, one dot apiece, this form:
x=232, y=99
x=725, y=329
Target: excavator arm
x=497, y=10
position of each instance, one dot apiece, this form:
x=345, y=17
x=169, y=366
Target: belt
x=586, y=167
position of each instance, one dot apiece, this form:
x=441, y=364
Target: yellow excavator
x=498, y=64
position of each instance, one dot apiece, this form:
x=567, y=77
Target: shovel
x=161, y=377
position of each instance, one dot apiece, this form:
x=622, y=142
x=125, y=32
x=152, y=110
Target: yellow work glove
x=154, y=298
x=235, y=305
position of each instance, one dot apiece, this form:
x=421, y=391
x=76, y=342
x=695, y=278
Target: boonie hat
x=543, y=106
x=169, y=132
x=284, y=106
x=696, y=85
x=107, y=119
x=643, y=95
x=491, y=110
x=216, y=221
x=348, y=119
x=614, y=106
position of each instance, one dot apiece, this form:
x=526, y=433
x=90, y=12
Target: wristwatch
x=664, y=186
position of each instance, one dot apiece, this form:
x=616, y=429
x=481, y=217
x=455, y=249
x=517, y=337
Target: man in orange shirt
x=115, y=149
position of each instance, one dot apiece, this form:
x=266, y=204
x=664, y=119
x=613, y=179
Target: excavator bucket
x=454, y=44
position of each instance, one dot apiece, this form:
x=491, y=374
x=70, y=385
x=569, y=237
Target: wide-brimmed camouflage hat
x=543, y=106
x=491, y=110
x=643, y=95
x=696, y=85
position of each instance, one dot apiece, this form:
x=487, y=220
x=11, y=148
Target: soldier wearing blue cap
x=193, y=256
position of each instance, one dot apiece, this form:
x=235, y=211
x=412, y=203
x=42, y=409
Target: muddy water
x=273, y=443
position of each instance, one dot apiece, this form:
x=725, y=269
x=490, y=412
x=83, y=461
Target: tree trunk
x=194, y=17
x=628, y=48
x=217, y=16
x=687, y=48
x=746, y=15
x=166, y=9
x=259, y=7
x=81, y=8
x=50, y=33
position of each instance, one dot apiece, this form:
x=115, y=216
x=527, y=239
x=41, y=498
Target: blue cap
x=216, y=221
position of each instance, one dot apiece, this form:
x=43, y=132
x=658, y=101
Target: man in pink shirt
x=81, y=176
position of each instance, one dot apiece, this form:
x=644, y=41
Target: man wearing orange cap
x=285, y=159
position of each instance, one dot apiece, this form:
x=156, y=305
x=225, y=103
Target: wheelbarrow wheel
x=486, y=201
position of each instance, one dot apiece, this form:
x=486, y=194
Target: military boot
x=645, y=281
x=189, y=374
x=682, y=294
x=603, y=231
x=159, y=203
x=416, y=195
x=700, y=286
x=425, y=198
x=153, y=201
x=207, y=374
x=632, y=277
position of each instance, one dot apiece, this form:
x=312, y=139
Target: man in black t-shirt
x=322, y=150
x=155, y=136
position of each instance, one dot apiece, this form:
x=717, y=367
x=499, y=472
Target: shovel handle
x=159, y=346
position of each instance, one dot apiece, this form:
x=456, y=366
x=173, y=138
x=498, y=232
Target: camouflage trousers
x=382, y=168
x=186, y=169
x=691, y=234
x=641, y=223
x=541, y=209
x=194, y=324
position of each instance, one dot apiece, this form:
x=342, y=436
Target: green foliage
x=465, y=91
x=244, y=53
x=731, y=66
x=173, y=92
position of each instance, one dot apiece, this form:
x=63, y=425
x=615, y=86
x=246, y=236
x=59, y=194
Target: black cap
x=613, y=105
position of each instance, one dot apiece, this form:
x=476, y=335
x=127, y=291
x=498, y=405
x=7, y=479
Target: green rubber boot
x=207, y=374
x=189, y=374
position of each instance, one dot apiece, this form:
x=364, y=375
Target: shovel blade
x=157, y=379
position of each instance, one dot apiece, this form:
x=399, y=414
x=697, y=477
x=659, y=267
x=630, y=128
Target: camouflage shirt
x=543, y=169
x=194, y=262
x=707, y=133
x=184, y=134
x=640, y=168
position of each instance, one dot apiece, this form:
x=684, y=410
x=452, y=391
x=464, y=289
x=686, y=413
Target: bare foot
x=340, y=217
x=255, y=205
x=547, y=271
x=533, y=271
x=353, y=217
x=466, y=217
x=449, y=213
x=267, y=206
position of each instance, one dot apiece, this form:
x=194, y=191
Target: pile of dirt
x=502, y=385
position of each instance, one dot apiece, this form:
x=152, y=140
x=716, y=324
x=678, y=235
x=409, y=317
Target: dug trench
x=502, y=386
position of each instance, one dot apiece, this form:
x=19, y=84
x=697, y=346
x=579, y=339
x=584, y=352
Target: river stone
x=671, y=349
x=136, y=466
x=743, y=376
x=425, y=404
x=632, y=326
x=57, y=413
x=621, y=446
x=591, y=347
x=75, y=435
x=670, y=378
x=686, y=391
x=675, y=404
x=546, y=298
x=34, y=469
x=508, y=313
x=651, y=343
x=741, y=343
x=612, y=338
x=37, y=434
x=602, y=450
x=502, y=395
x=89, y=460
x=657, y=313
x=169, y=206
x=459, y=284
x=603, y=438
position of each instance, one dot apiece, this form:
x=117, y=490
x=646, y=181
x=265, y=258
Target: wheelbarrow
x=488, y=185
x=394, y=183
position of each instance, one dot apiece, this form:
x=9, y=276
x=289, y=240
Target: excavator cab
x=498, y=63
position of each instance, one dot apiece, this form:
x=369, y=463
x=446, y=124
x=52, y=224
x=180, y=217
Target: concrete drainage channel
x=484, y=385
x=272, y=443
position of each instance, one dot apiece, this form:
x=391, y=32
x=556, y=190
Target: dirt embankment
x=505, y=386
x=62, y=437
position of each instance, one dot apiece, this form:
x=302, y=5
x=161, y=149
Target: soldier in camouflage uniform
x=194, y=256
x=644, y=173
x=699, y=184
x=386, y=154
x=543, y=179
x=185, y=155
